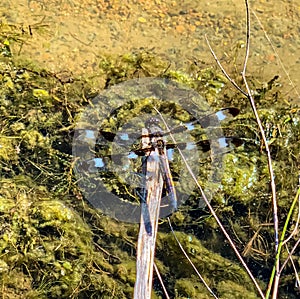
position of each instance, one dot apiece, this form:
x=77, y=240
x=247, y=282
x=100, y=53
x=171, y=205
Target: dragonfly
x=120, y=152
x=155, y=145
x=123, y=139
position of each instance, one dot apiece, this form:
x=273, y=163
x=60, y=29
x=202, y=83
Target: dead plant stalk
x=248, y=94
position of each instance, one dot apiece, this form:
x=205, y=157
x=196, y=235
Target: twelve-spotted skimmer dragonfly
x=118, y=152
x=124, y=139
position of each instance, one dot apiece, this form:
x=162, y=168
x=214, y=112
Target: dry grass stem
x=212, y=211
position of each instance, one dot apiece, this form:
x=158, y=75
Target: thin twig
x=297, y=283
x=223, y=70
x=248, y=94
x=212, y=211
x=275, y=275
x=270, y=166
x=161, y=281
x=192, y=264
x=289, y=256
x=261, y=129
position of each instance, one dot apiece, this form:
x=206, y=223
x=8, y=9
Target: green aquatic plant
x=47, y=248
x=54, y=245
x=211, y=265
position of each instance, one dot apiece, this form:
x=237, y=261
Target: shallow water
x=78, y=32
x=71, y=36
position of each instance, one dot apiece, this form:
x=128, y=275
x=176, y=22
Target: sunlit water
x=78, y=32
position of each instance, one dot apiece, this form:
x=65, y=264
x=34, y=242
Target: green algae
x=8, y=149
x=54, y=246
x=212, y=267
x=49, y=243
x=244, y=182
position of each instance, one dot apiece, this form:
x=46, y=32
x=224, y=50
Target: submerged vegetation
x=54, y=245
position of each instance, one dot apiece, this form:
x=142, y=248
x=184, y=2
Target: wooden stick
x=146, y=241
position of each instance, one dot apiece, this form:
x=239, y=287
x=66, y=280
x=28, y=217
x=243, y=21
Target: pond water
x=71, y=35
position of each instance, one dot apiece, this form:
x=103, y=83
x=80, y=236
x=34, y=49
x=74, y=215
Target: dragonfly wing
x=170, y=187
